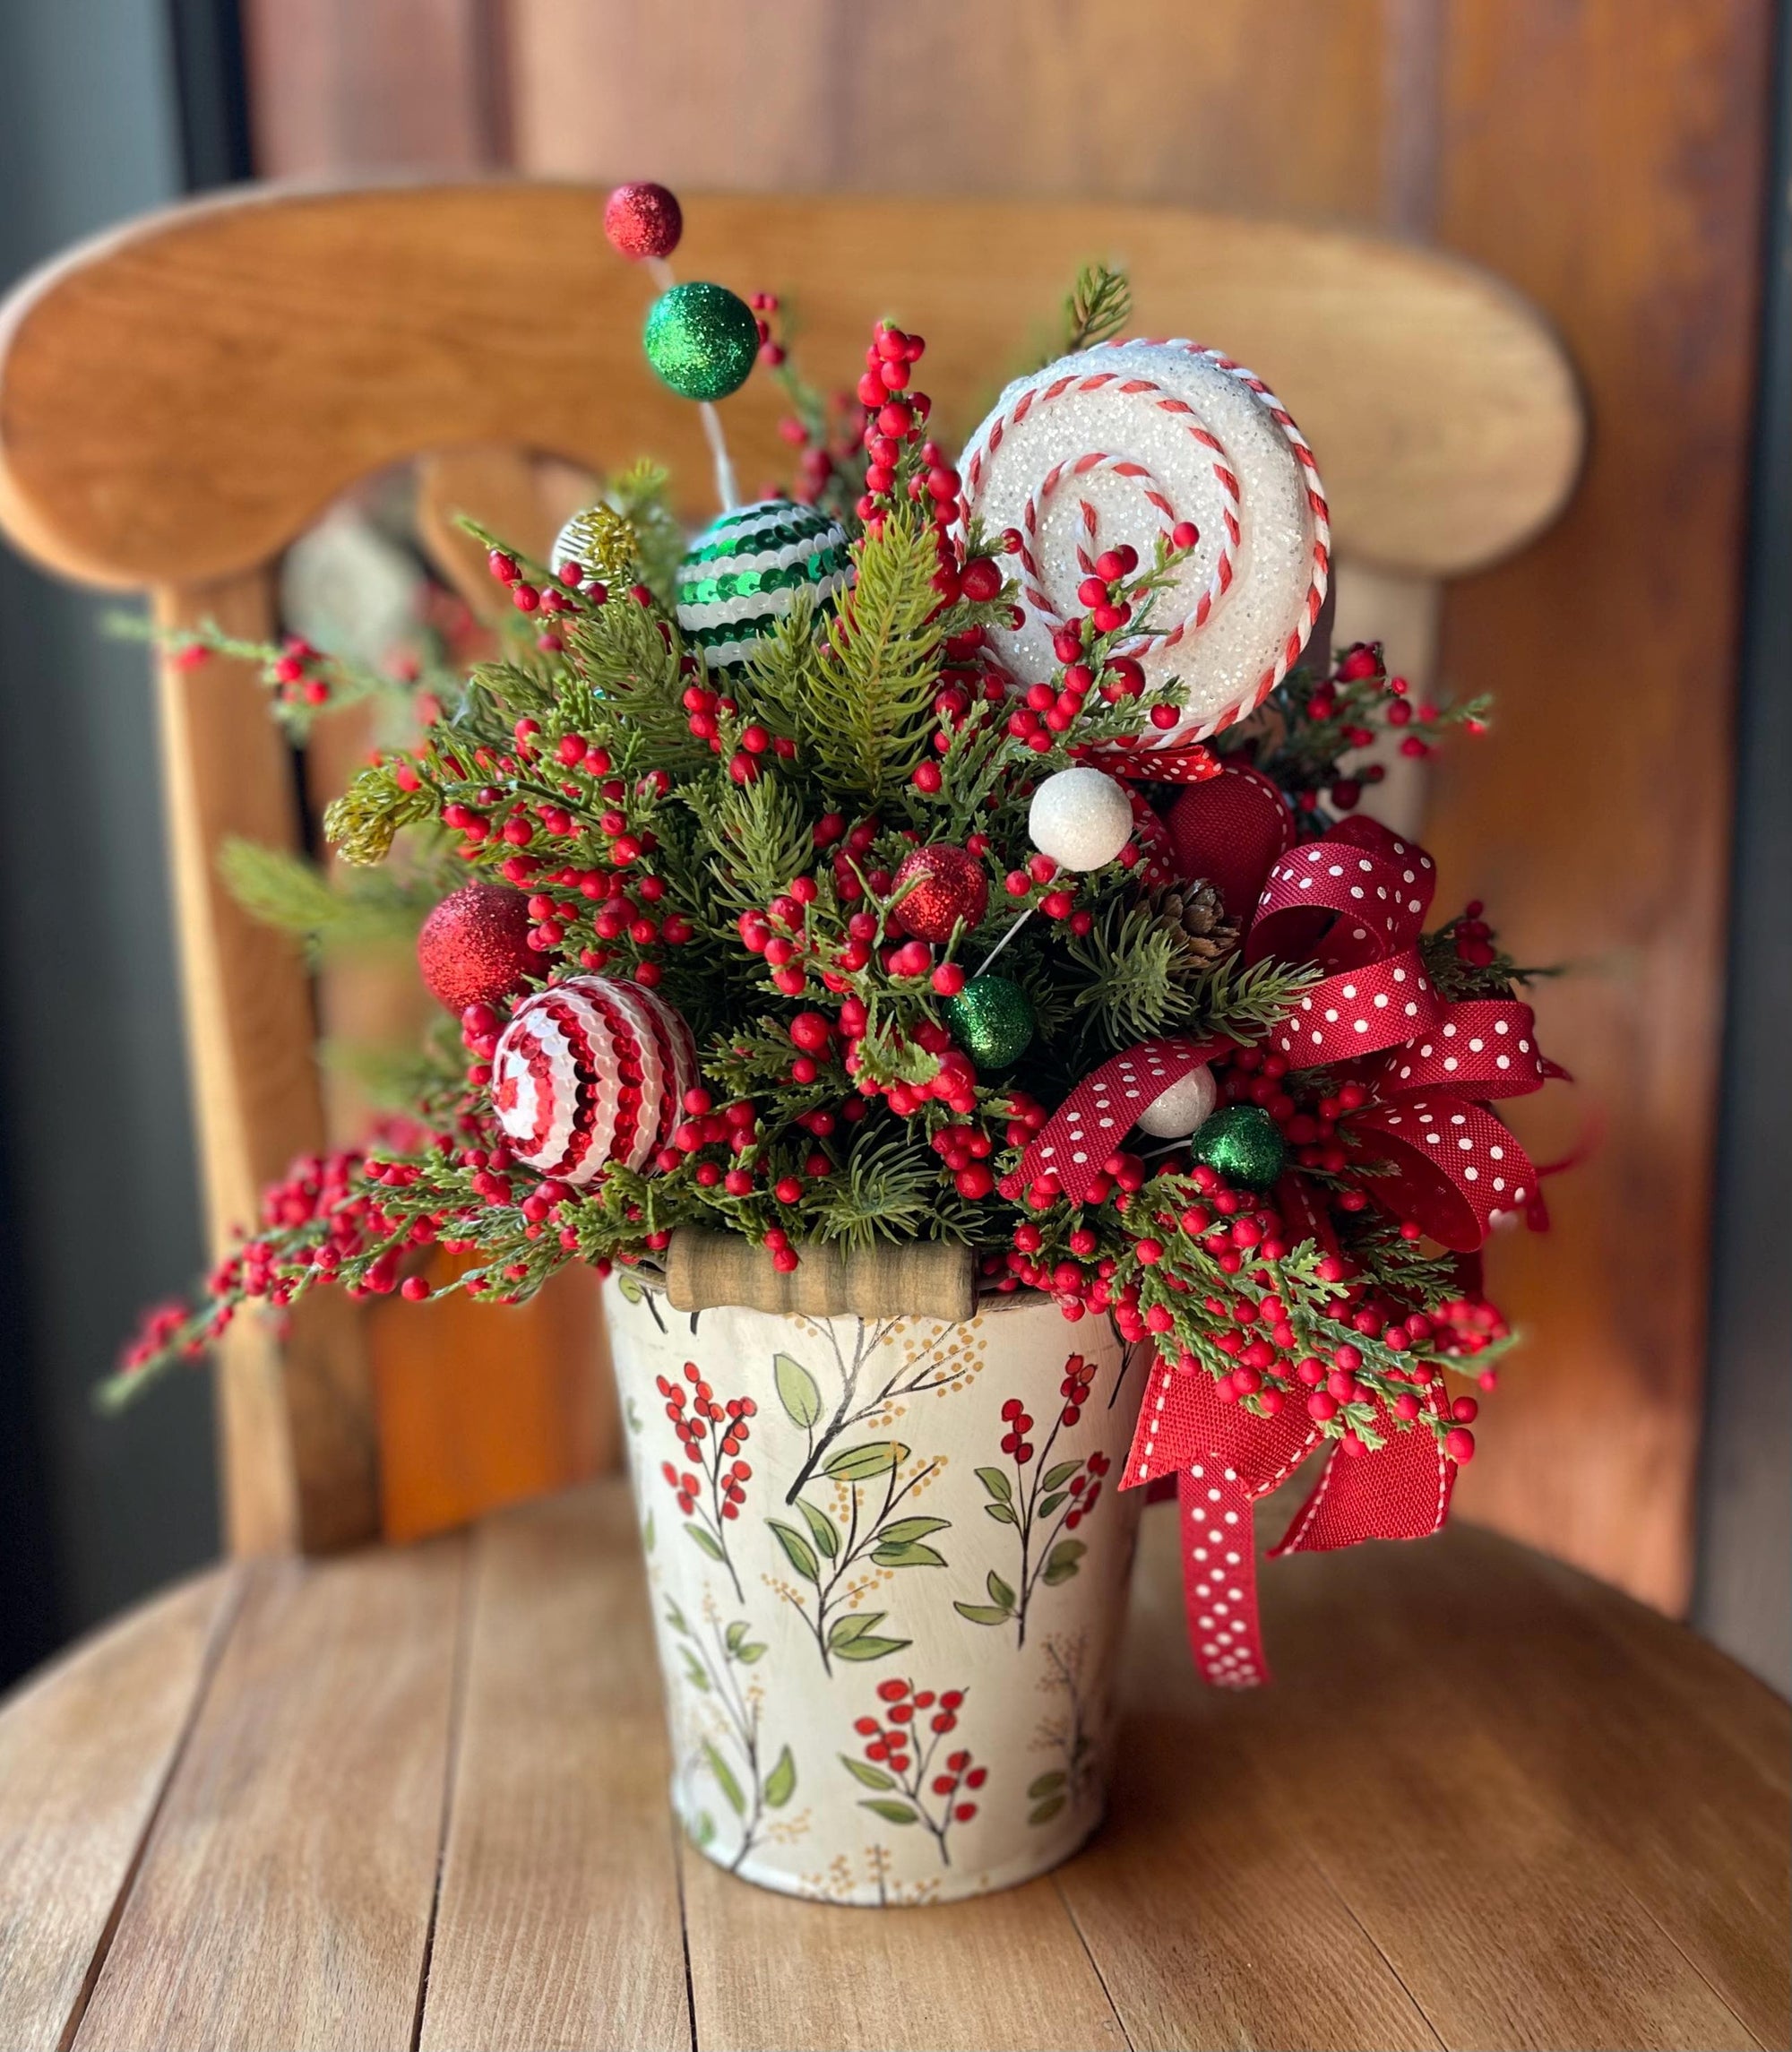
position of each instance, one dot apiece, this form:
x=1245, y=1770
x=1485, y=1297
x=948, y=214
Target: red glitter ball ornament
x=938, y=887
x=474, y=946
x=644, y=220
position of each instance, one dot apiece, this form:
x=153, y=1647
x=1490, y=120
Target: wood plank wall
x=1607, y=156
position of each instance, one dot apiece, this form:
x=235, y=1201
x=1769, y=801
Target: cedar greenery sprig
x=1099, y=305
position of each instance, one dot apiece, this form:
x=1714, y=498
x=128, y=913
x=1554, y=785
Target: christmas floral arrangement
x=965, y=850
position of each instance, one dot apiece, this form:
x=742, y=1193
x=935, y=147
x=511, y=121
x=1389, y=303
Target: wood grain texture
x=480, y=1405
x=285, y=1895
x=1267, y=109
x=1611, y=163
x=559, y=1918
x=79, y=1785
x=1486, y=1802
x=932, y=1279
x=1505, y=1797
x=322, y=336
x=321, y=82
x=296, y=1423
x=1001, y=1970
x=500, y=487
x=1206, y=1912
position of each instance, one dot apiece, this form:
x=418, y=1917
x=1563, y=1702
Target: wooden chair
x=179, y=399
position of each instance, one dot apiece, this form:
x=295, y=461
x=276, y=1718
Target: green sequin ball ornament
x=744, y=570
x=992, y=1020
x=702, y=340
x=1244, y=1143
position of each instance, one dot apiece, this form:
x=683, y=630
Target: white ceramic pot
x=888, y=1561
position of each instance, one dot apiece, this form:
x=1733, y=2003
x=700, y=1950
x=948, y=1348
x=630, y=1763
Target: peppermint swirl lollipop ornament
x=591, y=1072
x=1127, y=441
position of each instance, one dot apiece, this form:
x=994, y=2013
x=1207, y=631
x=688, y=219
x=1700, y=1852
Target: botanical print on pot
x=889, y=1572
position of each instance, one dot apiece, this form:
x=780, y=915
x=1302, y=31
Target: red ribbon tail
x=1399, y=1491
x=1219, y=1577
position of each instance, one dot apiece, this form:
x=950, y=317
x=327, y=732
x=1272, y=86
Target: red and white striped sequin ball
x=589, y=1072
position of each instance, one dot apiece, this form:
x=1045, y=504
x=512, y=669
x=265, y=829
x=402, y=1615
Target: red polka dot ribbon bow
x=1352, y=904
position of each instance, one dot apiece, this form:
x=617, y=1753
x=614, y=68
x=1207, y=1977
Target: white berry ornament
x=1081, y=817
x=1125, y=442
x=1183, y=1108
x=591, y=1072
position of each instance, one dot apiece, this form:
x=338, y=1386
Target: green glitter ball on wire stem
x=992, y=1020
x=701, y=340
x=1244, y=1143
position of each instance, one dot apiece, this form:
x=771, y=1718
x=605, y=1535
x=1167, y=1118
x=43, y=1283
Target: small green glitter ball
x=1244, y=1145
x=701, y=340
x=992, y=1020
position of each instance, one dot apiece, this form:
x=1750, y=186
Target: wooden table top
x=417, y=1797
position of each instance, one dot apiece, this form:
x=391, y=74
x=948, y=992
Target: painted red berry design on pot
x=906, y=1753
x=1042, y=1501
x=711, y=1435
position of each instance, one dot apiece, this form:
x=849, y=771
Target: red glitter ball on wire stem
x=474, y=948
x=644, y=220
x=938, y=887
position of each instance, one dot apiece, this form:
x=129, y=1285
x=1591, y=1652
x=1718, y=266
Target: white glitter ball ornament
x=1183, y=1108
x=1121, y=443
x=1081, y=818
x=589, y=1072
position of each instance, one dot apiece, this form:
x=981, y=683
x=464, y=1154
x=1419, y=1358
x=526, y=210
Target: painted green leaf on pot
x=1055, y=1478
x=798, y=1391
x=903, y=1529
x=1043, y=1812
x=780, y=1783
x=1051, y=1503
x=1046, y=1784
x=868, y=1646
x=984, y=1613
x=797, y=1550
x=999, y=1590
x=725, y=1779
x=863, y=1770
x=750, y=1652
x=909, y=1553
x=647, y=1534
x=852, y=1638
x=694, y=1670
x=706, y=1541
x=860, y=1463
x=1003, y=1514
x=891, y=1812
x=996, y=1483
x=1062, y=1560
x=822, y=1528
x=703, y=1831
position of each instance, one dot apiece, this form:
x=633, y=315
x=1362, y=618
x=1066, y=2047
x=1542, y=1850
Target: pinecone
x=1199, y=910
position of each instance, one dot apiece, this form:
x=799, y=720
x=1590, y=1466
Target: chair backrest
x=181, y=398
